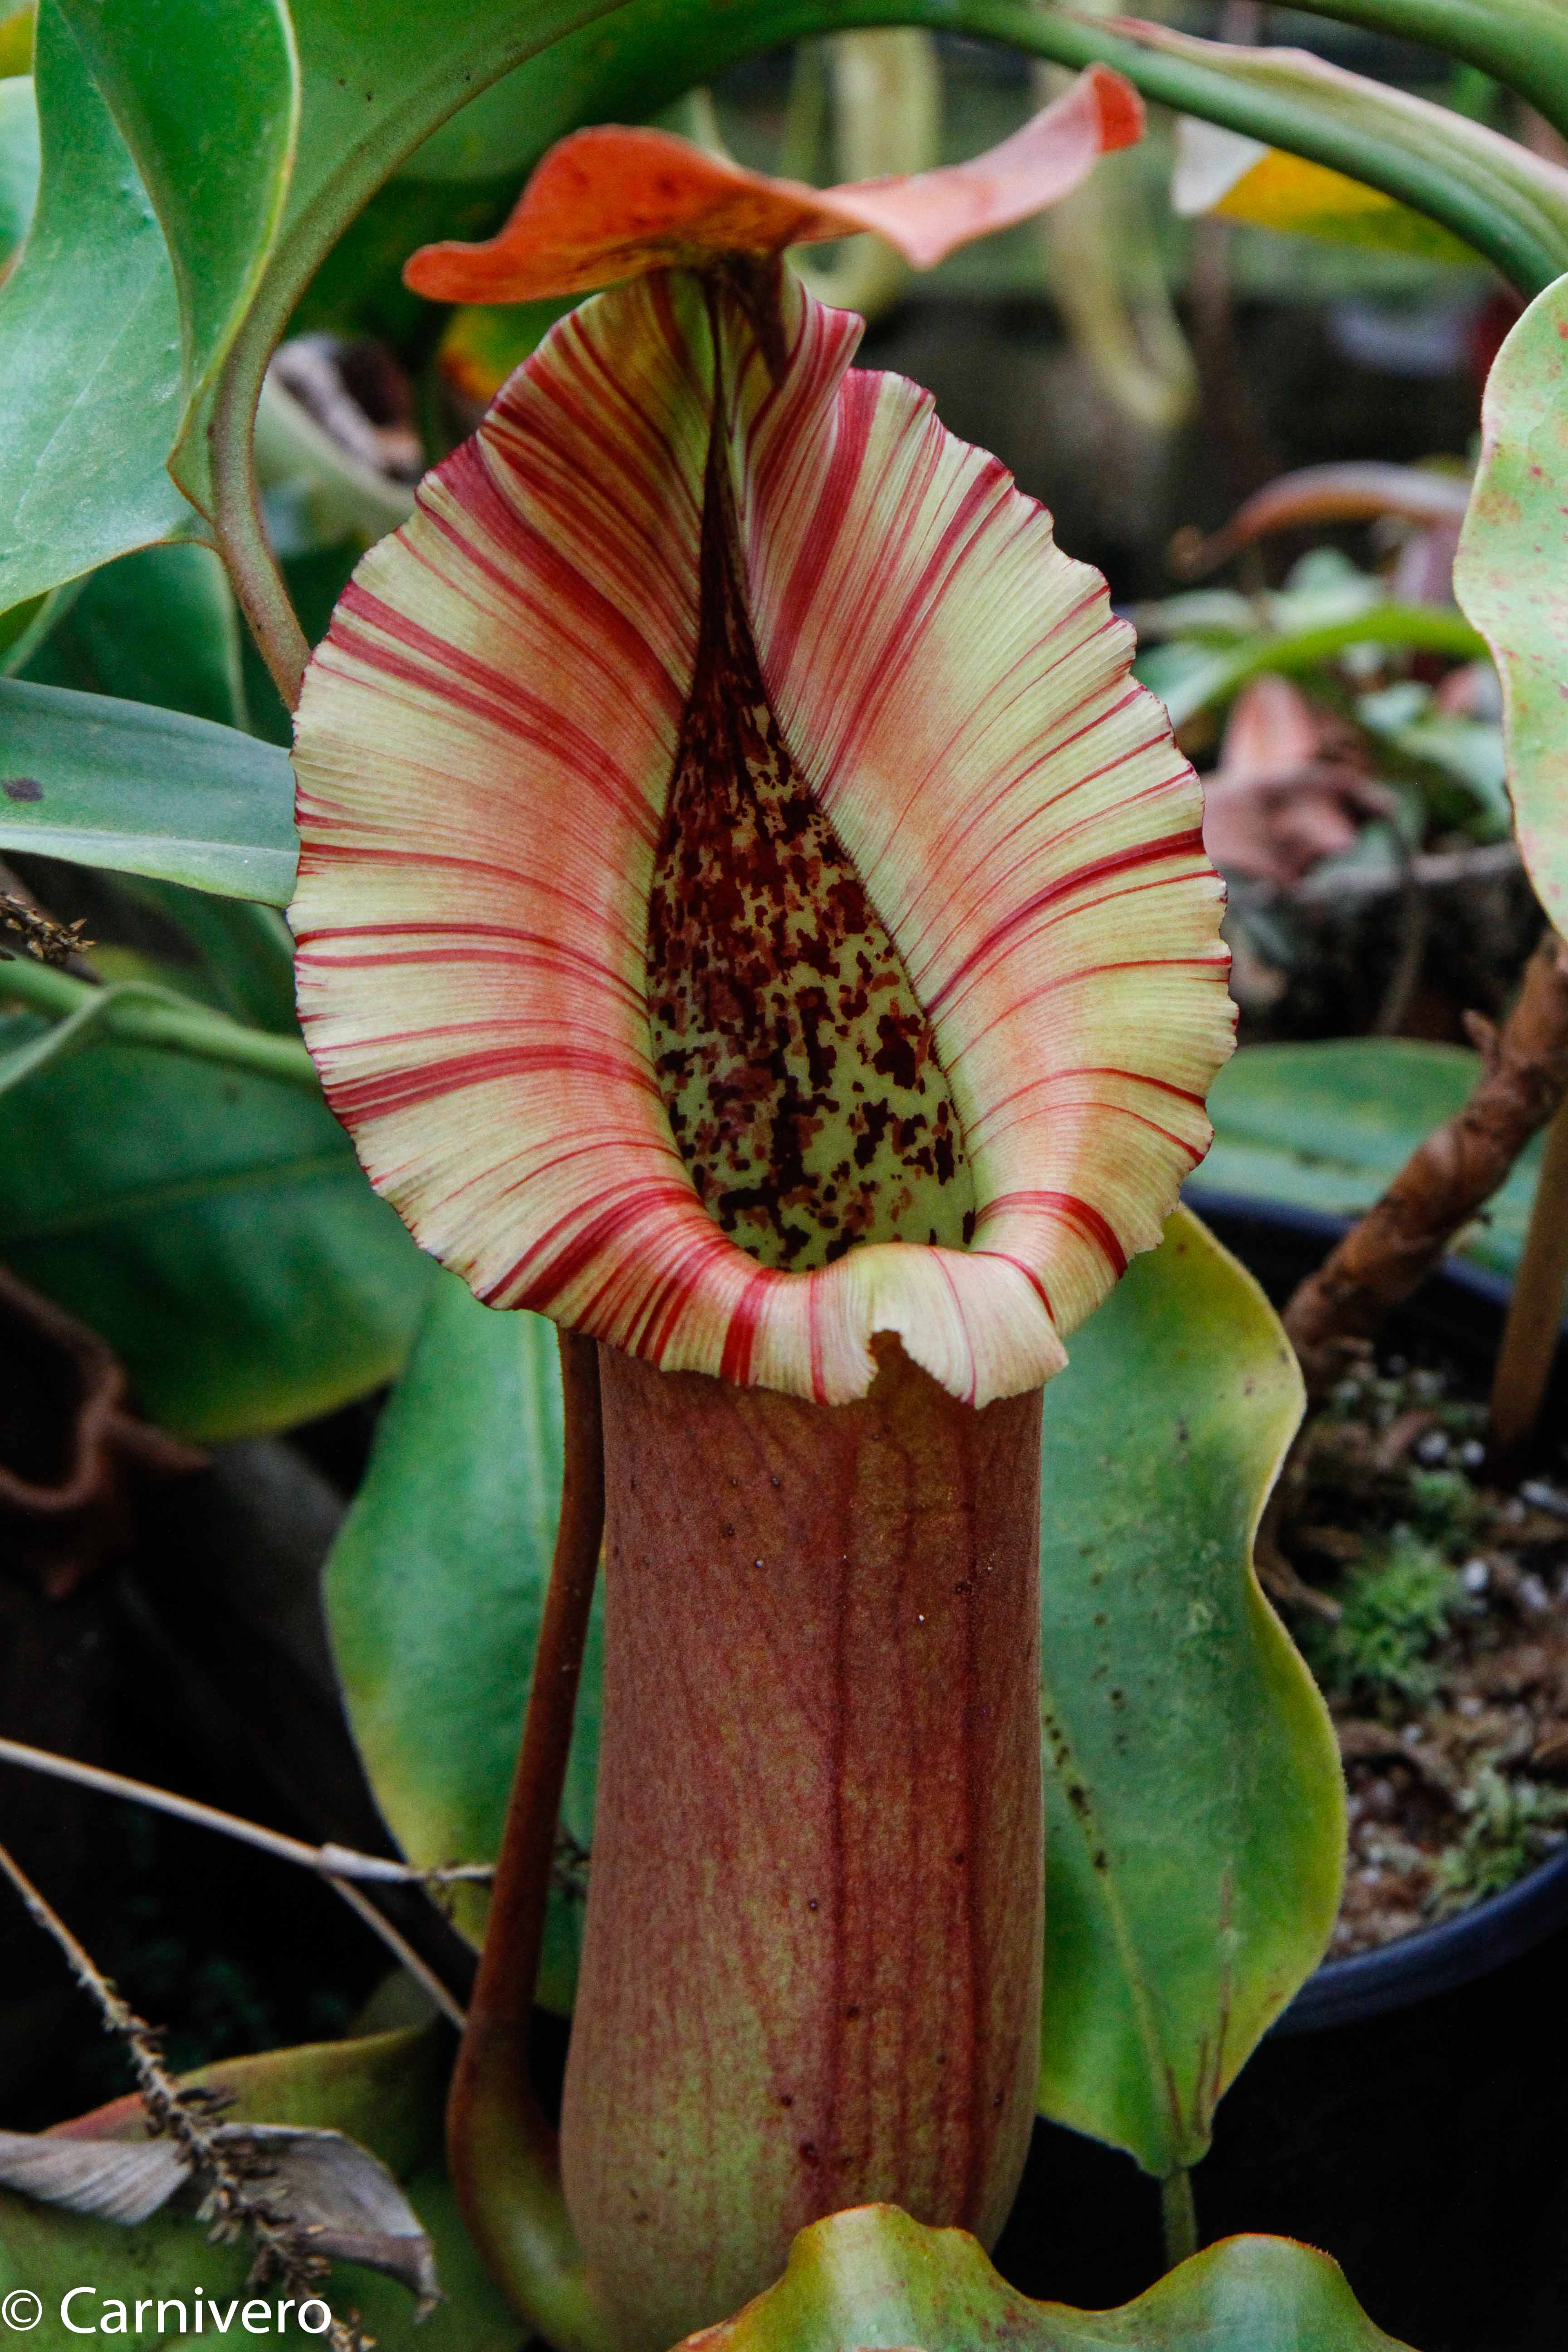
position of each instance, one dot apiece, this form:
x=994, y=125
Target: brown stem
x=1535, y=1311
x=502, y=2152
x=1446, y=1180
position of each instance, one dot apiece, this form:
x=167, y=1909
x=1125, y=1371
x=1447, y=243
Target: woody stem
x=1535, y=1311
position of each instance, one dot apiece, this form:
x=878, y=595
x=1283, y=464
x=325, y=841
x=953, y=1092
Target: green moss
x=1443, y=1504
x=1510, y=1827
x=1397, y=1607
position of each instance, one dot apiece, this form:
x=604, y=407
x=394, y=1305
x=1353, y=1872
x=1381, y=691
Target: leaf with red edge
x=609, y=203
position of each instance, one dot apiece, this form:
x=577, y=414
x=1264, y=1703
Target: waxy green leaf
x=1328, y=1126
x=213, y=1226
x=1196, y=1816
x=1523, y=44
x=435, y=1592
x=24, y=627
x=872, y=2278
x=1189, y=677
x=106, y=783
x=89, y=386
x=206, y=96
x=159, y=627
x=1513, y=560
x=385, y=2092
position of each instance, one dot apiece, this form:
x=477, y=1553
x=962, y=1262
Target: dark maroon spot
x=799, y=1073
x=22, y=788
x=808, y=2151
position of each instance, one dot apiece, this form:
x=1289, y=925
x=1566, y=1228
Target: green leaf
x=89, y=384
x=246, y=950
x=359, y=289
x=435, y=1592
x=215, y=1226
x=18, y=162
x=1195, y=1833
x=872, y=2276
x=159, y=628
x=24, y=628
x=1513, y=556
x=1188, y=680
x=373, y=85
x=207, y=97
x=1328, y=1126
x=385, y=2092
x=1521, y=43
x=106, y=782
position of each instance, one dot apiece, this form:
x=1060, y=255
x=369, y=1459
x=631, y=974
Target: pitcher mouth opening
x=745, y=904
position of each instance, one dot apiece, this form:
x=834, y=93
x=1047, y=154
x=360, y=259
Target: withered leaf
x=342, y=2200
x=116, y=2180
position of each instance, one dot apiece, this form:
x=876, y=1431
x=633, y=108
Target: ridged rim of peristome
x=484, y=751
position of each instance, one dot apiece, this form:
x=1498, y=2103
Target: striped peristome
x=485, y=753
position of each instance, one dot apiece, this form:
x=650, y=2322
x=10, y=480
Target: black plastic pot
x=1405, y=2113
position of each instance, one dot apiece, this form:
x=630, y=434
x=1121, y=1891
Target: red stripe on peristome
x=555, y=581
x=1214, y=968
x=577, y=910
x=1095, y=1070
x=356, y=1101
x=534, y=948
x=666, y=1305
x=1086, y=1104
x=1073, y=1211
x=1018, y=1265
x=644, y=1197
x=959, y=537
x=1187, y=843
x=980, y=820
x=603, y=389
x=741, y=1334
x=461, y=679
x=853, y=418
